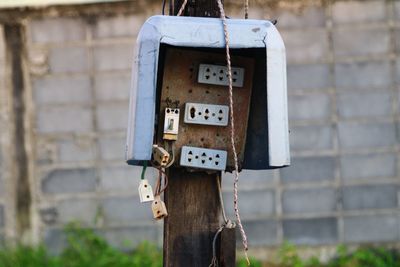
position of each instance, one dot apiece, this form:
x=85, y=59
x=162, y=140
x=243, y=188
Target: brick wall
x=343, y=75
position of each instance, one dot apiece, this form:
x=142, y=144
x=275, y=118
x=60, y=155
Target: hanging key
x=159, y=209
x=145, y=191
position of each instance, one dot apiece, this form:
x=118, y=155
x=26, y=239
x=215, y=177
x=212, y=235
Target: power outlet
x=203, y=158
x=218, y=75
x=206, y=114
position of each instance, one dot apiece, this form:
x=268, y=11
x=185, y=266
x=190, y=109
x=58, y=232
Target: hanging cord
x=214, y=261
x=232, y=133
x=221, y=200
x=170, y=12
x=246, y=9
x=172, y=149
x=236, y=180
x=143, y=170
x=182, y=8
x=160, y=190
x=163, y=7
x=161, y=172
x=227, y=224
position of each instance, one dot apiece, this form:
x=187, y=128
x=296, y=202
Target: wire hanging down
x=232, y=132
x=232, y=120
x=246, y=9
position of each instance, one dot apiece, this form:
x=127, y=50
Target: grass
x=84, y=249
x=87, y=249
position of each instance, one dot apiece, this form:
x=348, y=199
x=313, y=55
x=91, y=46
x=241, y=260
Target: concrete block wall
x=343, y=86
x=343, y=78
x=3, y=118
x=79, y=83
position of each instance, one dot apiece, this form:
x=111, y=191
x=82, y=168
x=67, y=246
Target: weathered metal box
x=165, y=48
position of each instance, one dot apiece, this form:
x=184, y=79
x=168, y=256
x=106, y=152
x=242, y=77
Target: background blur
x=64, y=89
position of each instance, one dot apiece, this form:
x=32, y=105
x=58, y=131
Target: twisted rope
x=246, y=9
x=232, y=132
x=182, y=8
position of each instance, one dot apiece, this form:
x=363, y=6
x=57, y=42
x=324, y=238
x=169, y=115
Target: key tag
x=159, y=209
x=145, y=191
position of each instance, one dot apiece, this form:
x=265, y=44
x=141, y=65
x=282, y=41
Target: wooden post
x=192, y=200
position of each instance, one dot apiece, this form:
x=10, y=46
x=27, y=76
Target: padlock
x=160, y=155
x=159, y=209
x=145, y=191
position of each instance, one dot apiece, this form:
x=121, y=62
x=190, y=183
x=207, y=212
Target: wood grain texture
x=192, y=197
x=194, y=217
x=198, y=8
x=180, y=86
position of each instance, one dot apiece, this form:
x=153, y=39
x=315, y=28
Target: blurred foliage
x=87, y=249
x=288, y=256
x=84, y=249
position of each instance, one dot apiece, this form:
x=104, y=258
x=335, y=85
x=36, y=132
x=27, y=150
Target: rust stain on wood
x=180, y=86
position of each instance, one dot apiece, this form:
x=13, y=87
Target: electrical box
x=180, y=93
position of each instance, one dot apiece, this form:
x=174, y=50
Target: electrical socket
x=206, y=114
x=218, y=75
x=203, y=158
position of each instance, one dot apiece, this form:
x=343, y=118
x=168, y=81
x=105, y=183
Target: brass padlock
x=159, y=209
x=160, y=155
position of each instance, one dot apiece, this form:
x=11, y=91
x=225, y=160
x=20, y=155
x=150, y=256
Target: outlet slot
x=206, y=114
x=218, y=75
x=203, y=158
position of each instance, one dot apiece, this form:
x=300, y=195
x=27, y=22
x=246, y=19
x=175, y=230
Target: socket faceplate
x=206, y=114
x=218, y=75
x=203, y=158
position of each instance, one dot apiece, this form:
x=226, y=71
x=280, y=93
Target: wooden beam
x=192, y=199
x=194, y=217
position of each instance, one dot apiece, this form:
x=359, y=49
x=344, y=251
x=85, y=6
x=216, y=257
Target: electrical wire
x=172, y=154
x=214, y=261
x=221, y=199
x=143, y=170
x=232, y=132
x=161, y=172
x=163, y=7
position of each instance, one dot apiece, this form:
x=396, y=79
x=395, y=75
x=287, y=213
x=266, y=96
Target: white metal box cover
x=203, y=33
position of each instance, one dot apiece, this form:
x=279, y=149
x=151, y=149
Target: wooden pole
x=192, y=199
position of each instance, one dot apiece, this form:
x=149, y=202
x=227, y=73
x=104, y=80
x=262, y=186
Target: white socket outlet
x=218, y=75
x=203, y=158
x=206, y=114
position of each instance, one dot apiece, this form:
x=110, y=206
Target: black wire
x=163, y=7
x=170, y=8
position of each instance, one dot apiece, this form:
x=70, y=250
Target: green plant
x=25, y=256
x=366, y=257
x=362, y=257
x=289, y=257
x=243, y=263
x=86, y=248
